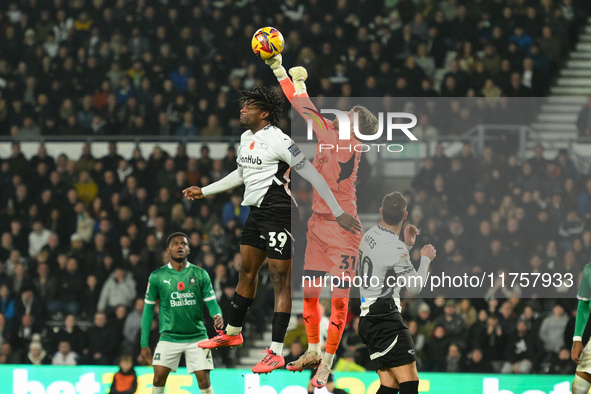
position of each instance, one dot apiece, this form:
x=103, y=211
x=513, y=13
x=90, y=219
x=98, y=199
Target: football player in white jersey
x=265, y=157
x=384, y=258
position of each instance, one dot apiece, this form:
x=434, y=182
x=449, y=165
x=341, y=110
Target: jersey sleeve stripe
x=209, y=298
x=582, y=298
x=150, y=302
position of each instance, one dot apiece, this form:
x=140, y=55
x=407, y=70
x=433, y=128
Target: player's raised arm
x=286, y=84
x=410, y=236
x=297, y=89
x=208, y=296
x=415, y=279
x=230, y=181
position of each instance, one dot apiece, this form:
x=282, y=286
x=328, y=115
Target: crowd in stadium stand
x=173, y=67
x=78, y=239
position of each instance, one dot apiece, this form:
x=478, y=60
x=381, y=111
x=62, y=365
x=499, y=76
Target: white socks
x=328, y=359
x=277, y=348
x=231, y=330
x=580, y=385
x=208, y=390
x=315, y=347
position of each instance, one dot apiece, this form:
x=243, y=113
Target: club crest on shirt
x=192, y=281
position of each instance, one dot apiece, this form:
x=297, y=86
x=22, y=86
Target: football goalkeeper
x=330, y=249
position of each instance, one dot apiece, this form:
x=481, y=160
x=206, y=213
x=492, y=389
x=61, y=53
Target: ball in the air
x=267, y=42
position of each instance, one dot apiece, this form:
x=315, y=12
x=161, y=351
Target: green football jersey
x=181, y=296
x=585, y=288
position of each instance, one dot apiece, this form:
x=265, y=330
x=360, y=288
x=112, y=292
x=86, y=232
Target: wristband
x=280, y=73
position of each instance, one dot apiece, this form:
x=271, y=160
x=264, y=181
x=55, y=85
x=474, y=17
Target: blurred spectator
x=233, y=210
x=477, y=363
x=297, y=334
x=453, y=359
x=37, y=355
x=70, y=284
x=29, y=304
x=347, y=363
x=86, y=188
x=7, y=303
x=7, y=355
x=132, y=327
x=64, y=355
x=451, y=322
x=91, y=294
x=436, y=350
x=295, y=351
x=125, y=380
x=100, y=341
x=70, y=333
x=521, y=351
x=119, y=289
x=552, y=329
x=562, y=364
x=493, y=341
x=23, y=331
x=84, y=223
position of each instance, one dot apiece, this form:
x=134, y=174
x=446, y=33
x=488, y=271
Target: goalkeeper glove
x=299, y=75
x=275, y=64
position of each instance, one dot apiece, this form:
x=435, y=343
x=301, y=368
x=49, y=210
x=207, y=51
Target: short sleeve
x=290, y=153
x=585, y=288
x=207, y=292
x=152, y=290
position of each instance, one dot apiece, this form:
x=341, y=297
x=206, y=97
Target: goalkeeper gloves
x=299, y=75
x=275, y=64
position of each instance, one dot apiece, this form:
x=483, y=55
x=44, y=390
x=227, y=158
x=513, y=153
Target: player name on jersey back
x=381, y=255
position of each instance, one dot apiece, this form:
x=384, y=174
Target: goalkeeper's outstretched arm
x=297, y=89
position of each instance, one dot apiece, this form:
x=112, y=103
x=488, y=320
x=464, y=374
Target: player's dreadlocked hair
x=267, y=100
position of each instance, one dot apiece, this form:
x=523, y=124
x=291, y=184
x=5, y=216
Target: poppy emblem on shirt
x=252, y=145
x=180, y=286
